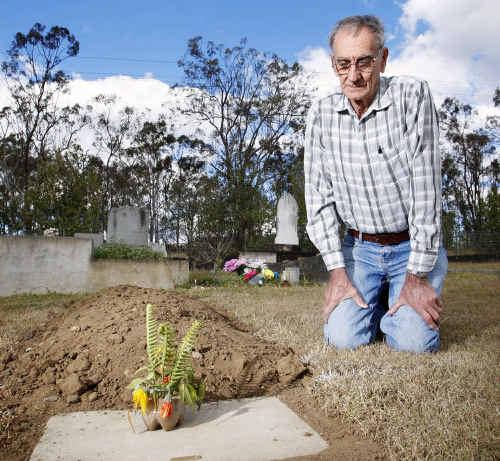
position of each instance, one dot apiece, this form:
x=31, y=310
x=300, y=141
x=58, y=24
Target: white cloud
x=148, y=96
x=453, y=44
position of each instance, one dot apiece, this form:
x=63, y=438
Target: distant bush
x=122, y=251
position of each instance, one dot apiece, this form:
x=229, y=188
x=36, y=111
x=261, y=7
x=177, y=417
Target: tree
x=114, y=130
x=467, y=171
x=152, y=160
x=249, y=102
x=33, y=122
x=182, y=203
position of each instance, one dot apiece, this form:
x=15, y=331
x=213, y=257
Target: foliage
x=33, y=124
x=252, y=103
x=467, y=169
x=169, y=369
x=123, y=251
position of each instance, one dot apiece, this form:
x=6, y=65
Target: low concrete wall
x=65, y=265
x=42, y=264
x=97, y=239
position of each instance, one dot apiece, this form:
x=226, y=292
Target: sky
x=131, y=48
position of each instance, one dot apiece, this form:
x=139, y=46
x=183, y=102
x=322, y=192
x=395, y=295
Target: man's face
x=361, y=81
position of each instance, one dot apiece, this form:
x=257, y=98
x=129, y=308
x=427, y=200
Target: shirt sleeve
x=424, y=216
x=322, y=220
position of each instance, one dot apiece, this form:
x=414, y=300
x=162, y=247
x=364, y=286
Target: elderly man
x=372, y=163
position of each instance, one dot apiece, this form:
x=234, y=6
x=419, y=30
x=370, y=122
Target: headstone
x=128, y=225
x=286, y=221
x=262, y=257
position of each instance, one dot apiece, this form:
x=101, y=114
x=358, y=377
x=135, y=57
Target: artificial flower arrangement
x=254, y=274
x=170, y=382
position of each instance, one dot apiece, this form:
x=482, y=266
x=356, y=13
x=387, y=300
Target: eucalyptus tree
x=249, y=103
x=33, y=122
x=114, y=127
x=468, y=170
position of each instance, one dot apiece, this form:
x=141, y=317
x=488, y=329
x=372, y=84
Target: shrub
x=122, y=251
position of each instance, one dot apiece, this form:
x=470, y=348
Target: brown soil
x=84, y=358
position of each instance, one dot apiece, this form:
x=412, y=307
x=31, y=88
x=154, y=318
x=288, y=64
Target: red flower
x=249, y=275
x=166, y=410
x=166, y=379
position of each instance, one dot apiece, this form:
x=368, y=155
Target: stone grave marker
x=286, y=221
x=129, y=225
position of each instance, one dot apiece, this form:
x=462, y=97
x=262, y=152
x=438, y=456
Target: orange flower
x=166, y=410
x=166, y=379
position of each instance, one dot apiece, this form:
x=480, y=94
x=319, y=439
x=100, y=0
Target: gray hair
x=357, y=23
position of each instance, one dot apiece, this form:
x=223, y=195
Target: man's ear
x=385, y=54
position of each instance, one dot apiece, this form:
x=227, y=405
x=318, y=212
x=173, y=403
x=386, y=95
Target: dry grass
x=439, y=406
x=431, y=406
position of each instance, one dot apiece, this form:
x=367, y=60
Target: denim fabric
x=370, y=266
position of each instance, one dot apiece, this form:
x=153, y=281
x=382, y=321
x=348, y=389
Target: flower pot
x=153, y=418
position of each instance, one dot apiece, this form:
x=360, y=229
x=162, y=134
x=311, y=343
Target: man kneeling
x=372, y=163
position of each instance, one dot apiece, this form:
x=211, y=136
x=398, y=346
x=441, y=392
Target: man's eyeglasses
x=363, y=63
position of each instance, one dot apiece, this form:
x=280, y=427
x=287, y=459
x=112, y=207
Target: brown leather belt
x=381, y=239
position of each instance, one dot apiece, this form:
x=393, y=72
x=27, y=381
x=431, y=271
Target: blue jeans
x=370, y=266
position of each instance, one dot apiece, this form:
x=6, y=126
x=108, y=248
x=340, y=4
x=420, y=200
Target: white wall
x=65, y=265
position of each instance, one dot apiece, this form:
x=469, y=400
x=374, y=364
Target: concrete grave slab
x=233, y=430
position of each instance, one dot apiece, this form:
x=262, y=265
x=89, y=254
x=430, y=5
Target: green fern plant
x=169, y=371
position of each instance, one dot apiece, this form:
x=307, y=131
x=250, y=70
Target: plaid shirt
x=377, y=174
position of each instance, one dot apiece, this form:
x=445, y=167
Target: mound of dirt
x=84, y=358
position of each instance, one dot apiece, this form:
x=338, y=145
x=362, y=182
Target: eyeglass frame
x=373, y=59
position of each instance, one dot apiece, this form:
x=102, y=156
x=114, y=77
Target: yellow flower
x=140, y=399
x=268, y=274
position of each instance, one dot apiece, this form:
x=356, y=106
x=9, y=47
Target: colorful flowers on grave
x=268, y=274
x=166, y=410
x=253, y=273
x=140, y=399
x=234, y=264
x=249, y=275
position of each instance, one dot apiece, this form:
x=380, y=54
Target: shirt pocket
x=393, y=165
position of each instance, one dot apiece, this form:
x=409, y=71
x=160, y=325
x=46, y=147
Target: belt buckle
x=360, y=236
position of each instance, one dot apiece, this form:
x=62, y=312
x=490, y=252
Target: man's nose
x=354, y=72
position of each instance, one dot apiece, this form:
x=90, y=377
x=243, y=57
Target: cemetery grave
x=83, y=358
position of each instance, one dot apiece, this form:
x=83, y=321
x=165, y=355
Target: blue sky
x=159, y=30
x=453, y=44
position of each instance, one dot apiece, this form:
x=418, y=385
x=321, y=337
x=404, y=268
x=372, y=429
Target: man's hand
x=419, y=294
x=339, y=288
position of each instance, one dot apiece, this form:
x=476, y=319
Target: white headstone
x=286, y=221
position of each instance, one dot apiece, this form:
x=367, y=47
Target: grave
x=244, y=430
x=129, y=225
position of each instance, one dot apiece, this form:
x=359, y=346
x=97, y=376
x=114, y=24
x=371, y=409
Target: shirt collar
x=382, y=99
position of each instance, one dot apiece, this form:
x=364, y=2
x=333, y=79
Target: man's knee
x=348, y=326
x=406, y=331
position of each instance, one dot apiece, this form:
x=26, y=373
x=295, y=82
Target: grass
x=21, y=314
x=431, y=406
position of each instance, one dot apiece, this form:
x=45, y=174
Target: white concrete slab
x=259, y=429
